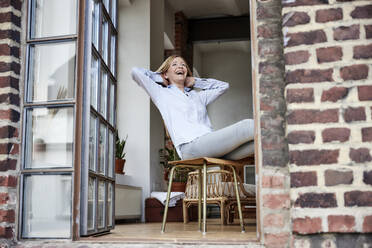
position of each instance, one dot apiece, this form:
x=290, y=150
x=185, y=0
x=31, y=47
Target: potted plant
x=120, y=154
x=180, y=174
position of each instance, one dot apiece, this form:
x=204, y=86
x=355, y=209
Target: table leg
x=167, y=200
x=238, y=200
x=199, y=198
x=205, y=197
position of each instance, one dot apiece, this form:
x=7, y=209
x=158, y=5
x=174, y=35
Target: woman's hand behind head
x=190, y=81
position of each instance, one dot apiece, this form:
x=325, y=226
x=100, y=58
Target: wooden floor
x=177, y=232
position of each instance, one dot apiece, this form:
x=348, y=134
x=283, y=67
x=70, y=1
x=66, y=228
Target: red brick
x=7, y=216
x=335, y=177
x=17, y=4
x=303, y=179
x=10, y=34
x=276, y=201
x=297, y=137
x=367, y=224
x=10, y=99
x=368, y=29
x=6, y=50
x=269, y=31
x=313, y=157
x=358, y=198
x=354, y=114
x=365, y=93
x=362, y=12
x=307, y=225
x=268, y=47
x=13, y=66
x=346, y=33
x=354, y=72
x=8, y=181
x=9, y=114
x=328, y=15
x=306, y=38
x=8, y=132
x=9, y=82
x=6, y=232
x=295, y=58
x=316, y=200
x=367, y=177
x=300, y=95
x=264, y=11
x=334, y=94
x=270, y=68
x=367, y=134
x=362, y=52
x=329, y=54
x=273, y=220
x=276, y=240
x=275, y=182
x=306, y=116
x=4, y=198
x=309, y=76
x=335, y=134
x=341, y=223
x=10, y=17
x=360, y=155
x=8, y=164
x=295, y=18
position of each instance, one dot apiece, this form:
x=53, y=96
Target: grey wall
x=234, y=67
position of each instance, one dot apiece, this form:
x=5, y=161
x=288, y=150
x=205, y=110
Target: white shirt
x=184, y=113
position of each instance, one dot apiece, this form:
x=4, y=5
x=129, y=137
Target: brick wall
x=273, y=196
x=10, y=23
x=183, y=47
x=328, y=73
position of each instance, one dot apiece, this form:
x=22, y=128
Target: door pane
x=49, y=137
x=47, y=211
x=101, y=204
x=91, y=202
x=94, y=82
x=109, y=204
x=53, y=18
x=51, y=72
x=102, y=148
x=103, y=105
x=113, y=12
x=112, y=103
x=107, y=5
x=113, y=55
x=105, y=39
x=111, y=160
x=95, y=23
x=92, y=142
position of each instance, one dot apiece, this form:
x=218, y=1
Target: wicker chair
x=220, y=191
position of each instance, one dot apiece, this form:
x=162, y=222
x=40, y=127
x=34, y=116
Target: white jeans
x=232, y=142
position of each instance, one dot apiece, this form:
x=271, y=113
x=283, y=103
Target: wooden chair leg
x=222, y=212
x=185, y=213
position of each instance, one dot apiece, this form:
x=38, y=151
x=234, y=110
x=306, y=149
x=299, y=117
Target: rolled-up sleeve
x=211, y=89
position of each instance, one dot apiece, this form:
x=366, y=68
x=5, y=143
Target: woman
x=184, y=111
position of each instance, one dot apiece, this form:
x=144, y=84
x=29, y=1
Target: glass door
x=49, y=120
x=98, y=177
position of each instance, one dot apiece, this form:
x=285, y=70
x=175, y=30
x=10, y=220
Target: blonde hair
x=167, y=63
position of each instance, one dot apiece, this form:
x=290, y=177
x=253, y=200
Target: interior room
x=147, y=34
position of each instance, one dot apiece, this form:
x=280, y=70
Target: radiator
x=127, y=202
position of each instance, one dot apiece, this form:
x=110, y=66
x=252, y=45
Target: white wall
x=197, y=69
x=141, y=44
x=169, y=21
x=133, y=104
x=156, y=123
x=233, y=67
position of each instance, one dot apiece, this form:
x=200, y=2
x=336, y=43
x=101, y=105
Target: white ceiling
x=241, y=46
x=210, y=8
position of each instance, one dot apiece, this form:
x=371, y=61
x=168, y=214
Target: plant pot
x=119, y=166
x=178, y=187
